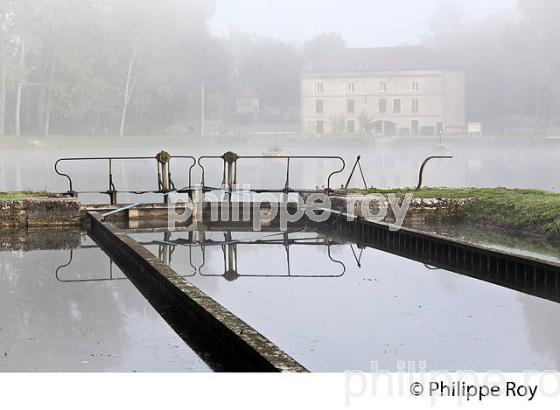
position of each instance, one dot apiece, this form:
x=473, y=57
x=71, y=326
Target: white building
x=383, y=91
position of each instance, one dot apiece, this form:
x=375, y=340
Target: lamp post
x=202, y=108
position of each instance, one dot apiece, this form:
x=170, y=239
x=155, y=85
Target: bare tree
x=128, y=89
x=3, y=28
x=19, y=91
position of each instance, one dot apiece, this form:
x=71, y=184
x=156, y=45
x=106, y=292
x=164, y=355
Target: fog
x=124, y=67
x=289, y=90
x=363, y=23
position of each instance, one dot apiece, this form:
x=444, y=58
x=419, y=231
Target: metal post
x=421, y=173
x=164, y=174
x=230, y=171
x=112, y=191
x=357, y=164
x=202, y=108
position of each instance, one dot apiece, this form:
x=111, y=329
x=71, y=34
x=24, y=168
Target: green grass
x=518, y=210
x=20, y=196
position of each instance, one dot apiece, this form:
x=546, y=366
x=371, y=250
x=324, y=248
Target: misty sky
x=362, y=22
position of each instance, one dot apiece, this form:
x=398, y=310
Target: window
x=319, y=87
x=382, y=86
x=396, y=105
x=415, y=127
x=319, y=106
x=350, y=126
x=382, y=106
x=415, y=105
x=351, y=106
x=320, y=127
x=351, y=87
x=404, y=132
x=415, y=86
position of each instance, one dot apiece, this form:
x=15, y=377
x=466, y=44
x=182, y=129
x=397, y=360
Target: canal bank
x=31, y=210
x=530, y=213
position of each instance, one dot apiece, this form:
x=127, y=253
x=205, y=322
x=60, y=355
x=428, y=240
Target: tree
x=64, y=27
x=25, y=39
x=543, y=16
x=367, y=122
x=152, y=60
x=338, y=123
x=123, y=66
x=541, y=28
x=321, y=46
x=6, y=8
x=498, y=64
x=273, y=69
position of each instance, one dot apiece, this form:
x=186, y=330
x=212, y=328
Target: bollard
x=164, y=174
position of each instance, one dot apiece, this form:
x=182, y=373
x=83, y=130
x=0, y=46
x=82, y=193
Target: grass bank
x=516, y=210
x=21, y=196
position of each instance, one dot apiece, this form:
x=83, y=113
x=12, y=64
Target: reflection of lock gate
x=229, y=247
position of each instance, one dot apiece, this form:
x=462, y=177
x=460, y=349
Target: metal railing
x=164, y=176
x=423, y=166
x=230, y=161
x=229, y=181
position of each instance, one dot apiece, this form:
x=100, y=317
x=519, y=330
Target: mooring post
x=421, y=173
x=112, y=191
x=164, y=174
x=230, y=172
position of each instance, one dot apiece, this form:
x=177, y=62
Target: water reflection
x=543, y=336
x=328, y=304
x=384, y=308
x=46, y=325
x=201, y=247
x=112, y=275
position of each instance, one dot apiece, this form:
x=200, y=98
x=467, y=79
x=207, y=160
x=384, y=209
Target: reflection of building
x=385, y=91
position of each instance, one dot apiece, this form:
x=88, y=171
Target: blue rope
x=147, y=199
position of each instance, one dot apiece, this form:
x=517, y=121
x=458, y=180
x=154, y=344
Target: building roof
x=350, y=60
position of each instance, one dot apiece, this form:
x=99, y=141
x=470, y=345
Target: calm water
x=315, y=301
x=28, y=163
x=50, y=324
x=333, y=315
x=328, y=304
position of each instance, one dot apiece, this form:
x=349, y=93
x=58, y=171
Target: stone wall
x=421, y=210
x=40, y=212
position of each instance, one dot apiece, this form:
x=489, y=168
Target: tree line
x=511, y=61
x=121, y=67
x=129, y=66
